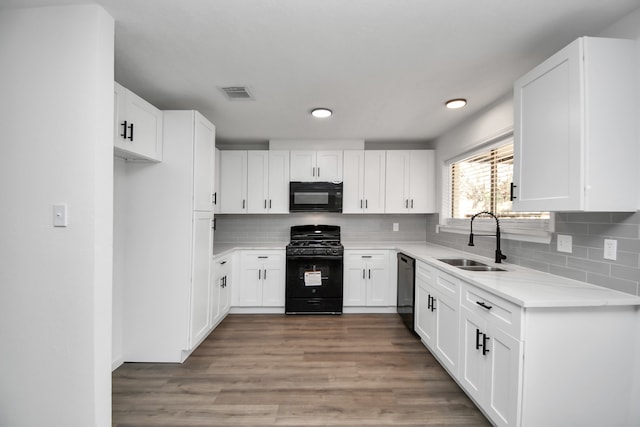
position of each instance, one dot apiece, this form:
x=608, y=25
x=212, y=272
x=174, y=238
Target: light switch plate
x=565, y=243
x=60, y=215
x=396, y=226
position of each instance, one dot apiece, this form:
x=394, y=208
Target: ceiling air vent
x=237, y=93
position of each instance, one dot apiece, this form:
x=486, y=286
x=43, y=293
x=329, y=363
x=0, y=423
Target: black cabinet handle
x=360, y=203
x=126, y=127
x=406, y=203
x=214, y=224
x=433, y=303
x=259, y=274
x=215, y=198
x=318, y=172
x=265, y=203
x=363, y=273
x=485, y=350
x=366, y=256
x=512, y=196
x=264, y=276
x=483, y=305
x=223, y=262
x=243, y=203
x=411, y=203
x=478, y=333
x=269, y=203
x=369, y=273
x=366, y=204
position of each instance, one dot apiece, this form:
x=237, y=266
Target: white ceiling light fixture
x=456, y=103
x=321, y=113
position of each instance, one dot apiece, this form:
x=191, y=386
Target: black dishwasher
x=406, y=289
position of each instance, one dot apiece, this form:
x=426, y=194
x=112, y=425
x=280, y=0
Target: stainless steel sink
x=462, y=262
x=470, y=265
x=481, y=268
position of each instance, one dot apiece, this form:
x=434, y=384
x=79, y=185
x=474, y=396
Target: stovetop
x=315, y=240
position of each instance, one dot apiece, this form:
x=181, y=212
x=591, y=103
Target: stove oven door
x=314, y=284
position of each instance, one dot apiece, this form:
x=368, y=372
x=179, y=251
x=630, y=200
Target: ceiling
x=385, y=67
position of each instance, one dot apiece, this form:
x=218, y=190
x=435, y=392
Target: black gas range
x=314, y=270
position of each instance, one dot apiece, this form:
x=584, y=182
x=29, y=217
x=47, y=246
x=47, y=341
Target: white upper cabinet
x=216, y=183
x=268, y=182
x=575, y=133
x=204, y=163
x=138, y=127
x=364, y=181
x=316, y=166
x=233, y=182
x=410, y=181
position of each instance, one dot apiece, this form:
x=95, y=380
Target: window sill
x=535, y=236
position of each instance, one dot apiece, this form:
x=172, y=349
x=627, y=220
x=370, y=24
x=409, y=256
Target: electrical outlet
x=396, y=226
x=610, y=249
x=565, y=243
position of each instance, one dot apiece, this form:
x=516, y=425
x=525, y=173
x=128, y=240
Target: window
x=481, y=181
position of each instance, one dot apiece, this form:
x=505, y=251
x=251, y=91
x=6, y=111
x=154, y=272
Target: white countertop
x=523, y=286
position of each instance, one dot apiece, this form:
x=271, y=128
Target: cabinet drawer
x=494, y=309
x=446, y=285
x=359, y=257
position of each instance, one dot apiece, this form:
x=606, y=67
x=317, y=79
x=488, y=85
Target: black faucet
x=499, y=255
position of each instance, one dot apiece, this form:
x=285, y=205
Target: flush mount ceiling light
x=321, y=113
x=456, y=103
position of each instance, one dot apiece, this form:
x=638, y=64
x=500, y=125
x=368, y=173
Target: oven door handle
x=314, y=257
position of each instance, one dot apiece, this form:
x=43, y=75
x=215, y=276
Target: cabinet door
x=547, y=135
x=273, y=286
x=201, y=281
x=422, y=188
x=329, y=166
x=355, y=283
x=397, y=200
x=257, y=181
x=503, y=377
x=278, y=201
x=472, y=375
x=353, y=183
x=447, y=332
x=216, y=289
x=225, y=292
x=378, y=283
x=204, y=164
x=138, y=127
x=303, y=166
x=374, y=180
x=216, y=184
x=250, y=283
x=233, y=182
x=425, y=319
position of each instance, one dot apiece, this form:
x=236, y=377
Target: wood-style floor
x=277, y=370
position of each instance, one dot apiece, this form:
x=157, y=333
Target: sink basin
x=463, y=262
x=470, y=265
x=480, y=268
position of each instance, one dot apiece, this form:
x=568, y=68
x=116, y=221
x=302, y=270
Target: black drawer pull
x=483, y=305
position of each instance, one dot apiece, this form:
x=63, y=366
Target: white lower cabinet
x=262, y=279
x=524, y=365
x=220, y=288
x=436, y=312
x=490, y=367
x=366, y=279
x=200, y=298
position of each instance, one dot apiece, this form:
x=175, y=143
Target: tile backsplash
x=586, y=262
x=276, y=228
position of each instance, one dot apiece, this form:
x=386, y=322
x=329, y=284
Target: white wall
x=56, y=106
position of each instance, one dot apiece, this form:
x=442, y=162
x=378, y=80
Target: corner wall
x=56, y=82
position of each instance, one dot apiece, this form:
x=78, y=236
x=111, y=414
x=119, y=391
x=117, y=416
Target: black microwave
x=315, y=196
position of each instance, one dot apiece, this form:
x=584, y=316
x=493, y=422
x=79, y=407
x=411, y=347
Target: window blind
x=482, y=182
